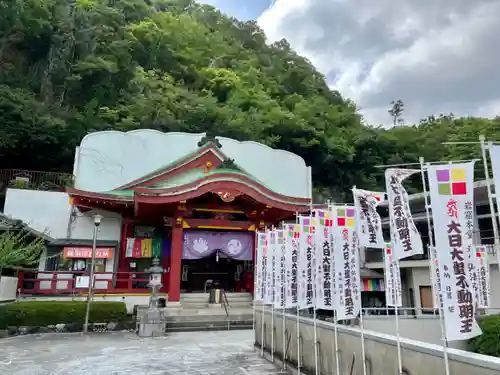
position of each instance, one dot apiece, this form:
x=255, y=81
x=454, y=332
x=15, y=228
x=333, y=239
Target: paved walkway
x=190, y=353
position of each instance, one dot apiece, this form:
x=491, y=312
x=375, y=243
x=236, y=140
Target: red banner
x=86, y=252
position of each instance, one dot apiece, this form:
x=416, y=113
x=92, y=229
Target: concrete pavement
x=190, y=353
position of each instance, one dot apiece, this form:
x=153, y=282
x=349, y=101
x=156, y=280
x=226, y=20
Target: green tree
x=396, y=112
x=19, y=249
x=71, y=67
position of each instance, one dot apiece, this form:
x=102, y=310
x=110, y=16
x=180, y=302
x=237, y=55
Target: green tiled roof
x=180, y=180
x=121, y=193
x=173, y=162
x=194, y=175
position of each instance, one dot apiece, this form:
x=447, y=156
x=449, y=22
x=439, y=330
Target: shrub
x=489, y=342
x=44, y=313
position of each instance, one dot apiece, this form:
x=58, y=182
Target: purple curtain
x=166, y=247
x=199, y=244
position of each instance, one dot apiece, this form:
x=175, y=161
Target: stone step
x=197, y=300
x=239, y=304
x=194, y=304
x=208, y=325
x=209, y=318
x=240, y=299
x=192, y=300
x=209, y=328
x=206, y=295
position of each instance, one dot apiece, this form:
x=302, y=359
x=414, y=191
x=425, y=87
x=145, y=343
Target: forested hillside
x=68, y=67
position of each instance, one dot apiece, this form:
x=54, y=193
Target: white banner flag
x=279, y=283
x=437, y=297
x=405, y=238
x=369, y=224
x=306, y=288
x=346, y=256
x=265, y=270
x=129, y=249
x=452, y=202
x=392, y=274
x=495, y=167
x=482, y=269
x=271, y=267
x=259, y=272
x=324, y=260
x=292, y=233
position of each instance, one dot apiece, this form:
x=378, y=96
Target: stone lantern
x=155, y=273
x=153, y=322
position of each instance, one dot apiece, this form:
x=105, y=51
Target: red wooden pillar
x=251, y=276
x=165, y=263
x=175, y=262
x=123, y=266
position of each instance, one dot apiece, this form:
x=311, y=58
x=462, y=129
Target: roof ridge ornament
x=209, y=139
x=229, y=164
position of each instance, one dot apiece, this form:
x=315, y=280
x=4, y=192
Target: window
x=57, y=262
x=483, y=209
x=423, y=229
x=486, y=231
x=386, y=232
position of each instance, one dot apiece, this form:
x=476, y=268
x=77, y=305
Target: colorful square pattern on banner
x=345, y=217
x=481, y=252
x=293, y=231
x=452, y=181
x=324, y=219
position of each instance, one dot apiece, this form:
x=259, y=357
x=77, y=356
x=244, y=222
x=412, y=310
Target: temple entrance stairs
x=196, y=314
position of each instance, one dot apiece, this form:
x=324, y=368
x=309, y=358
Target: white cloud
x=437, y=56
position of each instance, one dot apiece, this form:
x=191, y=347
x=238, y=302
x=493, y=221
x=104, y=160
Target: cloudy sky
x=437, y=56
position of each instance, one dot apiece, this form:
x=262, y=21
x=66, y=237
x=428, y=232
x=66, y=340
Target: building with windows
x=415, y=272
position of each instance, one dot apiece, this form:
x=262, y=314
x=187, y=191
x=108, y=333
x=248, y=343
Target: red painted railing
x=65, y=282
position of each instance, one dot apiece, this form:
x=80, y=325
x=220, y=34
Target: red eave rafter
x=162, y=174
x=82, y=194
x=203, y=187
x=224, y=178
x=219, y=182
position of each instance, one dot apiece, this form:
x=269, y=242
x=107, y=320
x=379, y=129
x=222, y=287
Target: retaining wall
x=418, y=358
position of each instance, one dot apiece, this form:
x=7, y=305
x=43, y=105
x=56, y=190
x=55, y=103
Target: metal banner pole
x=254, y=284
x=494, y=221
x=316, y=354
x=395, y=301
x=272, y=332
x=283, y=295
x=398, y=338
x=262, y=334
x=298, y=317
x=273, y=275
x=336, y=339
x=264, y=296
x=298, y=341
x=284, y=338
x=431, y=244
x=363, y=352
x=315, y=325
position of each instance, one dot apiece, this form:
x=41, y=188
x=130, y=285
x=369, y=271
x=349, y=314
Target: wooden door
x=426, y=299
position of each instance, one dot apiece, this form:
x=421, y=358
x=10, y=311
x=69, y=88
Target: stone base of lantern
x=152, y=323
